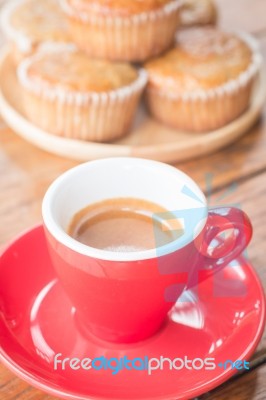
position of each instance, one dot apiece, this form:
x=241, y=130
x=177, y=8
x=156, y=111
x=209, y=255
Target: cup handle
x=225, y=250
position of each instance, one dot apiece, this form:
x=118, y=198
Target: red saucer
x=224, y=319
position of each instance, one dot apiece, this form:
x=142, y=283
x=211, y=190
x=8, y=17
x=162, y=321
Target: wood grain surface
x=236, y=174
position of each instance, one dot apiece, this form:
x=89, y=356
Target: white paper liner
x=141, y=18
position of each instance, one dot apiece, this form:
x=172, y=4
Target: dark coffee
x=123, y=225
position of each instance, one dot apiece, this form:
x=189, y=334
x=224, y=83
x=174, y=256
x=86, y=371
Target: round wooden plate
x=148, y=138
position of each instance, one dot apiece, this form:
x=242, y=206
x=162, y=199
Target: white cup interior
x=116, y=178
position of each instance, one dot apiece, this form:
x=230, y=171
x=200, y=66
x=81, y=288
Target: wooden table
x=26, y=173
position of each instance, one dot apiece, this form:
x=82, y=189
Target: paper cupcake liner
x=90, y=116
x=134, y=38
x=22, y=42
x=205, y=110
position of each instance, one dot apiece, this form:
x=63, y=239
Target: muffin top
x=121, y=8
x=72, y=70
x=203, y=58
x=38, y=20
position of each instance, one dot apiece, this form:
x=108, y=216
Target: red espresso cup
x=125, y=297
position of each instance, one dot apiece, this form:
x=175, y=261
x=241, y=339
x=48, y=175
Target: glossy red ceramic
x=128, y=301
x=223, y=319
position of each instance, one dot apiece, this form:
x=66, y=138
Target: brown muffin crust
x=203, y=58
x=121, y=8
x=74, y=71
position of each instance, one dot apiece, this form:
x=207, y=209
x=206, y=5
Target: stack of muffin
x=83, y=65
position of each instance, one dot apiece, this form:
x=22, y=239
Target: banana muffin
x=68, y=94
x=205, y=82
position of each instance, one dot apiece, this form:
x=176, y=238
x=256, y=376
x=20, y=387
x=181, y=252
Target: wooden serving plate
x=148, y=138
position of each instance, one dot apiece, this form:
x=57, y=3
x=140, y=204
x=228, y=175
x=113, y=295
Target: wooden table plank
x=249, y=386
x=26, y=172
x=23, y=183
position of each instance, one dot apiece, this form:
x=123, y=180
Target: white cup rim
x=62, y=236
